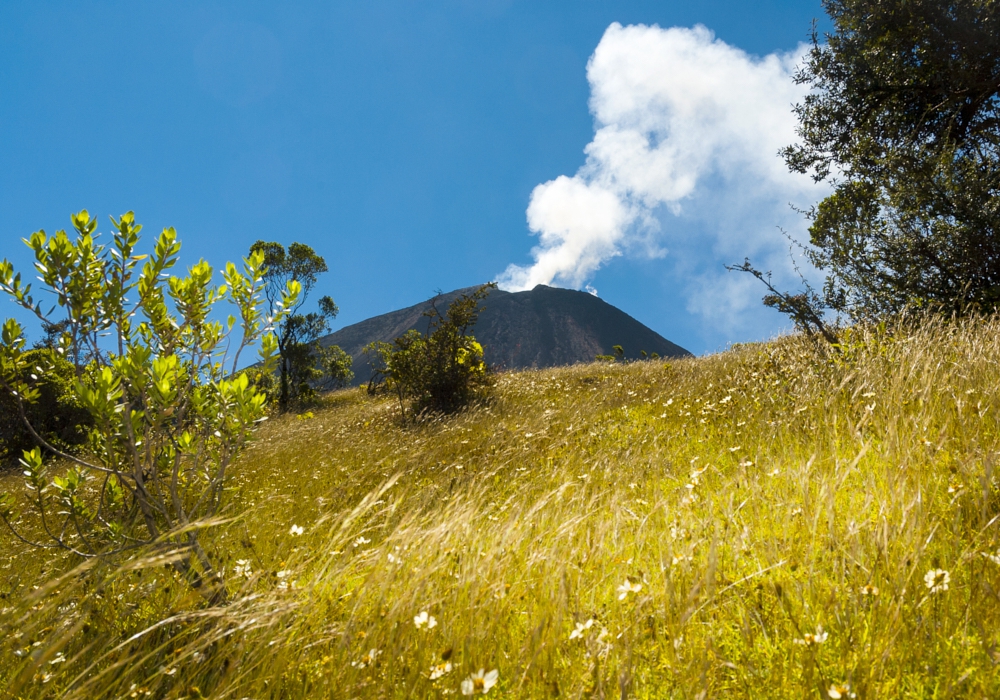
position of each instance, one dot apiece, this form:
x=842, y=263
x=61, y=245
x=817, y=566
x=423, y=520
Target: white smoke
x=685, y=153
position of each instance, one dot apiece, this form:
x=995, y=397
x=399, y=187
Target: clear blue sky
x=401, y=140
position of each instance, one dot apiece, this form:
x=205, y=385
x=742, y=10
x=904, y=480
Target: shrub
x=442, y=370
x=337, y=363
x=170, y=414
x=55, y=414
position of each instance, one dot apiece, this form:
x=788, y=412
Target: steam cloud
x=688, y=130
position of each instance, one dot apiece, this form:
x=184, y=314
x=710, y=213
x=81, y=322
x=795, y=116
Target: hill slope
x=777, y=521
x=544, y=327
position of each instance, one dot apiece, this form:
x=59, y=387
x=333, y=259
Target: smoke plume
x=684, y=155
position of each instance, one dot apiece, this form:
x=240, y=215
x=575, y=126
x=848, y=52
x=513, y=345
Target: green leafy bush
x=157, y=376
x=337, y=363
x=442, y=370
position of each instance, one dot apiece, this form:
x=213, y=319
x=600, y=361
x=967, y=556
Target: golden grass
x=754, y=524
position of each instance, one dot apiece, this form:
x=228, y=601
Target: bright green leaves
x=192, y=296
x=84, y=224
x=100, y=393
x=68, y=489
x=164, y=384
x=11, y=360
x=13, y=335
x=34, y=471
x=116, y=494
x=269, y=351
x=150, y=370
x=245, y=288
x=151, y=297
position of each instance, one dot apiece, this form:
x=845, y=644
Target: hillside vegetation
x=778, y=520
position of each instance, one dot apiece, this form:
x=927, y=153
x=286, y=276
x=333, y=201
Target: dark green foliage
x=264, y=382
x=904, y=120
x=442, y=370
x=338, y=366
x=303, y=364
x=618, y=355
x=55, y=413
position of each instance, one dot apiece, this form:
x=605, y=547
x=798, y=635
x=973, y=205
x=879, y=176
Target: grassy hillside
x=774, y=521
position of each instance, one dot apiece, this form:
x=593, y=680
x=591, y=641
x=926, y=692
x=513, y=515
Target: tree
x=904, y=120
x=441, y=370
x=157, y=377
x=338, y=366
x=303, y=362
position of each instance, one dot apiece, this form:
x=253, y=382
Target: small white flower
x=439, y=670
x=630, y=586
x=296, y=530
x=361, y=541
x=838, y=691
x=937, y=580
x=809, y=640
x=581, y=627
x=995, y=558
x=243, y=568
x=424, y=620
x=480, y=682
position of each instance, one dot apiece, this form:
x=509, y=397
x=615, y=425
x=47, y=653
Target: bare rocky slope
x=543, y=327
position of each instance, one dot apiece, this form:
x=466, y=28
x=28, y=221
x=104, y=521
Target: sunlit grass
x=774, y=521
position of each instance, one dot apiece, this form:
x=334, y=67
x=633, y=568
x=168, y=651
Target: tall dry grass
x=759, y=523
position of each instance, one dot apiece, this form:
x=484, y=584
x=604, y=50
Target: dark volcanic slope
x=541, y=328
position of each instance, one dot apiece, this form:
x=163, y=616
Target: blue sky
x=404, y=141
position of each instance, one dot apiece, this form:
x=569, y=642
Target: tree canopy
x=302, y=363
x=904, y=120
